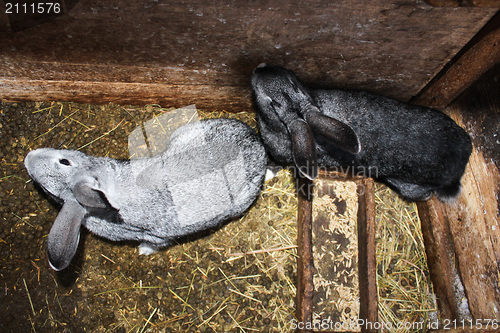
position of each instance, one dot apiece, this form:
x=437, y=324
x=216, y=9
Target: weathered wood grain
x=367, y=254
x=441, y=260
x=482, y=53
x=474, y=225
x=474, y=217
x=366, y=251
x=174, y=95
x=393, y=48
x=305, y=261
x=467, y=231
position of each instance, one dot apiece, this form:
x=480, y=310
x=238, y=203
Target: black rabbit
x=415, y=150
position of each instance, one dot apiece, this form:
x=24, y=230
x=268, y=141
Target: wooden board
x=477, y=57
x=463, y=238
x=335, y=254
x=474, y=218
x=183, y=52
x=368, y=301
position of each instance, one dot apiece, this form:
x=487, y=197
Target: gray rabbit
x=211, y=171
x=415, y=150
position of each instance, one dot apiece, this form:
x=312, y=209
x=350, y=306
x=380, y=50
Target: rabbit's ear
x=89, y=194
x=339, y=133
x=304, y=148
x=64, y=235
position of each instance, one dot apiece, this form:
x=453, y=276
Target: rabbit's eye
x=64, y=161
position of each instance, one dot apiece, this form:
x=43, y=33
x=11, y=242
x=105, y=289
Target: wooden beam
x=230, y=98
x=367, y=261
x=474, y=225
x=371, y=45
x=462, y=238
x=441, y=260
x=305, y=261
x=474, y=217
x=482, y=53
x=367, y=264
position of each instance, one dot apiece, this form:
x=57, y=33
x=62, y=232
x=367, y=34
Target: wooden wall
x=467, y=253
x=462, y=238
x=188, y=51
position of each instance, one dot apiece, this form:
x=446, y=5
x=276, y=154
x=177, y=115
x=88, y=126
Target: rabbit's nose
x=31, y=157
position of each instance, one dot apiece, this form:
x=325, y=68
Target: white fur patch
x=146, y=249
x=270, y=174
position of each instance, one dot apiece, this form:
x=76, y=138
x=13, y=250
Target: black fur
x=415, y=150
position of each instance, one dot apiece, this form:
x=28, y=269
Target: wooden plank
x=367, y=260
x=443, y=227
x=473, y=220
x=466, y=232
x=482, y=53
x=474, y=217
x=441, y=259
x=335, y=252
x=228, y=98
x=305, y=262
x=366, y=252
x=374, y=45
x=465, y=3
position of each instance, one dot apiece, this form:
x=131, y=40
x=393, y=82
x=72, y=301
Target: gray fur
x=416, y=150
x=211, y=171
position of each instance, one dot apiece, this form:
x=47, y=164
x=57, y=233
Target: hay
x=406, y=298
x=240, y=278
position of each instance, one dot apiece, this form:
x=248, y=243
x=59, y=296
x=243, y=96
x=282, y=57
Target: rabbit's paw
x=147, y=249
x=272, y=171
